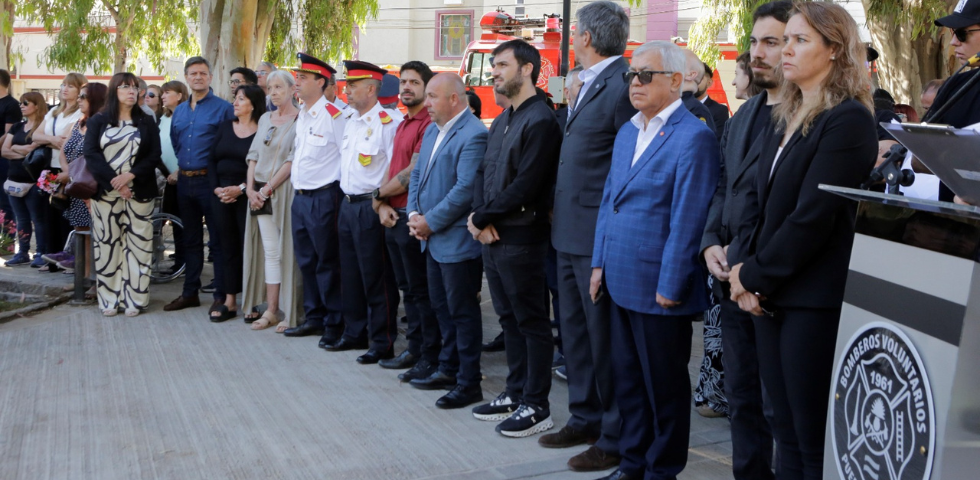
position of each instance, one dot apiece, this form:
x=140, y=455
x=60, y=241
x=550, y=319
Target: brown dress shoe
x=593, y=460
x=181, y=303
x=564, y=438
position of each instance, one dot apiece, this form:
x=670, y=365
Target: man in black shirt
x=510, y=218
x=751, y=434
x=9, y=115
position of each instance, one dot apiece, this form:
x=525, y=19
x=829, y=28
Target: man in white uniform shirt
x=315, y=173
x=370, y=292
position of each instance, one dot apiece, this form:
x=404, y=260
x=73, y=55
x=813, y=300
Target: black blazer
x=719, y=113
x=794, y=239
x=586, y=153
x=148, y=156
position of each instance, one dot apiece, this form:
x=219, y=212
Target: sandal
x=132, y=312
x=110, y=312
x=267, y=320
x=283, y=325
x=223, y=314
x=254, y=315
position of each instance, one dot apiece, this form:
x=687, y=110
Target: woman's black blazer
x=794, y=239
x=148, y=156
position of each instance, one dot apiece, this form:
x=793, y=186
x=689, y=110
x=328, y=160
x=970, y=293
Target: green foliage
x=327, y=28
x=721, y=14
x=919, y=14
x=99, y=34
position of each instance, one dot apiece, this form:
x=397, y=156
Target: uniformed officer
x=388, y=96
x=370, y=293
x=315, y=174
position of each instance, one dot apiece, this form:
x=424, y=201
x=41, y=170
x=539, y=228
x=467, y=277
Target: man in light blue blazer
x=648, y=236
x=439, y=198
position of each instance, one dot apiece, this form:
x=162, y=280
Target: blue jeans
x=194, y=200
x=31, y=209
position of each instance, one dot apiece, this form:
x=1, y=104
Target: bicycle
x=164, y=245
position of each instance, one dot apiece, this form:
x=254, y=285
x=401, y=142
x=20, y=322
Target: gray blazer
x=738, y=166
x=586, y=153
x=443, y=191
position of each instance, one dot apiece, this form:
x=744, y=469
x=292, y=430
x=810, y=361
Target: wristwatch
x=242, y=186
x=376, y=194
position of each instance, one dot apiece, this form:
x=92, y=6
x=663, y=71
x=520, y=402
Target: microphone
x=972, y=61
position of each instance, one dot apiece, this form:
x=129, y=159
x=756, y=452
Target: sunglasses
x=82, y=96
x=645, y=76
x=26, y=103
x=962, y=33
x=151, y=95
x=268, y=136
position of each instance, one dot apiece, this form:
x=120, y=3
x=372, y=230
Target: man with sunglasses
x=751, y=434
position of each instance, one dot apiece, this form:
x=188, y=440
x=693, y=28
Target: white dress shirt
x=653, y=127
x=589, y=75
x=316, y=153
x=366, y=150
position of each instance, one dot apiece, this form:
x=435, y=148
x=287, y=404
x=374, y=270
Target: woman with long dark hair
x=30, y=206
x=122, y=150
x=90, y=102
x=227, y=171
x=792, y=249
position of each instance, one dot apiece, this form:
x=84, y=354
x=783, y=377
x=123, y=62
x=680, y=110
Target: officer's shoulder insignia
x=385, y=118
x=703, y=119
x=333, y=111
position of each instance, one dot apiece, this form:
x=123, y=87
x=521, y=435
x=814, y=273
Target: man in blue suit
x=439, y=198
x=648, y=235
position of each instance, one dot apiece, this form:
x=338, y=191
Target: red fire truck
x=543, y=33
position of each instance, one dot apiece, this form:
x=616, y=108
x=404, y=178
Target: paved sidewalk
x=173, y=396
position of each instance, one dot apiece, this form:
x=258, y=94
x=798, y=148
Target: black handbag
x=267, y=206
x=37, y=161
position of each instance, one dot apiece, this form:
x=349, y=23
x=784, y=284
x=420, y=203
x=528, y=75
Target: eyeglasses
x=261, y=73
x=151, y=95
x=962, y=33
x=268, y=136
x=234, y=83
x=645, y=76
x=82, y=96
x=126, y=87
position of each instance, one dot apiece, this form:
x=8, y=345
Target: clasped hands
x=486, y=235
x=120, y=183
x=257, y=198
x=746, y=300
x=228, y=194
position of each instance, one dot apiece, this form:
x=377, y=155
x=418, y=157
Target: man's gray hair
x=608, y=24
x=671, y=56
x=285, y=77
x=271, y=66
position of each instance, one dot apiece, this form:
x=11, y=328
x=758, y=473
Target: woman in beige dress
x=270, y=271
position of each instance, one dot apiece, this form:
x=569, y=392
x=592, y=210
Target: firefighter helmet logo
x=883, y=424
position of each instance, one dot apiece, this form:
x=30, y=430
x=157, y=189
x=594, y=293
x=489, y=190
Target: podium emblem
x=883, y=415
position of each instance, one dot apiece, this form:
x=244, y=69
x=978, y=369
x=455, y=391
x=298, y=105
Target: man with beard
x=510, y=219
x=751, y=434
x=405, y=250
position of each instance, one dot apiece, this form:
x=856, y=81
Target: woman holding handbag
x=122, y=151
x=270, y=270
x=90, y=102
x=30, y=207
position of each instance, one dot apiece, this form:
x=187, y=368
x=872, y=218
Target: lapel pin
x=661, y=134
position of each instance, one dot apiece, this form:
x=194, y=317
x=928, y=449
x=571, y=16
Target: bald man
x=693, y=73
x=440, y=194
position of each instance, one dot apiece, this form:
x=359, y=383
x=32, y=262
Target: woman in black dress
x=227, y=171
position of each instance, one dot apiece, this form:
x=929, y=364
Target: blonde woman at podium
x=792, y=249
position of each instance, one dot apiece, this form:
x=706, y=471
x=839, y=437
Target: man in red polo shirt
x=424, y=340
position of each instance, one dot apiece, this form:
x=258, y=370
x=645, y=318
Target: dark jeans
x=453, y=288
x=798, y=347
x=31, y=209
x=170, y=206
x=369, y=289
x=515, y=274
x=231, y=218
x=408, y=262
x=751, y=434
x=585, y=331
x=5, y=207
x=194, y=196
x=551, y=276
x=316, y=246
x=653, y=389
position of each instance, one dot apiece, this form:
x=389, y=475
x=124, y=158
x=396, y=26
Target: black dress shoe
x=460, y=397
x=421, y=370
x=374, y=356
x=495, y=345
x=401, y=362
x=345, y=344
x=327, y=340
x=304, y=330
x=436, y=381
x=616, y=475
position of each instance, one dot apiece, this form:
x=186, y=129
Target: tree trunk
x=119, y=58
x=234, y=34
x=905, y=65
x=6, y=32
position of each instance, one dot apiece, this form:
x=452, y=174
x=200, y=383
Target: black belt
x=358, y=198
x=314, y=190
x=400, y=210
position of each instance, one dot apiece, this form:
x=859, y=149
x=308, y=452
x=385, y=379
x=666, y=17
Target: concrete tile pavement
x=169, y=395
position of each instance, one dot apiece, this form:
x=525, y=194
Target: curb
x=21, y=312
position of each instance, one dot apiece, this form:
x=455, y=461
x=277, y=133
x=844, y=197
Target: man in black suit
x=751, y=433
x=600, y=108
x=719, y=112
x=693, y=75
